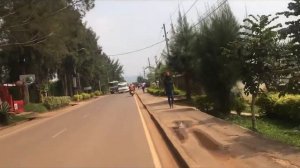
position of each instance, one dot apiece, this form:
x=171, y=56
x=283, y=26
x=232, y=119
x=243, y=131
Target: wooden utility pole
x=149, y=63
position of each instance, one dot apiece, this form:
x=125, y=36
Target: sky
x=128, y=25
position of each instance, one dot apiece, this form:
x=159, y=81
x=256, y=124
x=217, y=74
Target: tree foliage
x=49, y=39
x=290, y=66
x=217, y=73
x=180, y=59
x=257, y=54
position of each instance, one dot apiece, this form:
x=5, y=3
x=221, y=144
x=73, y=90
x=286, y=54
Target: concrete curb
x=182, y=159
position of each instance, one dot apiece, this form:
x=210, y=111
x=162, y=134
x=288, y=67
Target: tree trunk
x=70, y=85
x=65, y=84
x=252, y=111
x=26, y=94
x=187, y=87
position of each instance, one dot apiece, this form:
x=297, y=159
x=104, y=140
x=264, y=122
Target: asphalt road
x=105, y=133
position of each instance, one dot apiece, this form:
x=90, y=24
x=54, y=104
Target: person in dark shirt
x=169, y=88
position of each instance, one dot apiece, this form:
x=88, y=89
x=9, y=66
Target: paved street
x=105, y=133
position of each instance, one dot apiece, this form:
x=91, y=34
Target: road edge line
x=153, y=151
x=176, y=153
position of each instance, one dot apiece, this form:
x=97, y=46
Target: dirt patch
x=207, y=141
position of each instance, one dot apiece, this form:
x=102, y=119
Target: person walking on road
x=169, y=88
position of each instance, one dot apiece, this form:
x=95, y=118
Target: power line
x=125, y=53
x=190, y=8
x=210, y=13
x=185, y=13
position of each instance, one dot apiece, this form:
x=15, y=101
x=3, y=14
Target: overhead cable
x=190, y=8
x=210, y=13
x=125, y=53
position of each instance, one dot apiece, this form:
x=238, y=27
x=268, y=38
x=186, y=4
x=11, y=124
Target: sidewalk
x=205, y=141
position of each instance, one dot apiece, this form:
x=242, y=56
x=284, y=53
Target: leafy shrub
x=93, y=95
x=239, y=105
x=286, y=107
x=85, y=96
x=156, y=91
x=35, y=107
x=98, y=93
x=266, y=102
x=178, y=92
x=4, y=113
x=203, y=103
x=77, y=97
x=56, y=102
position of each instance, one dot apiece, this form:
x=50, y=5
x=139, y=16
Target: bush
x=203, y=103
x=85, y=96
x=179, y=92
x=35, y=107
x=56, y=102
x=239, y=105
x=266, y=102
x=98, y=93
x=4, y=113
x=156, y=91
x=77, y=97
x=93, y=95
x=286, y=107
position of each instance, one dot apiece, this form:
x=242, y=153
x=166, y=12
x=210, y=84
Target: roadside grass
x=279, y=130
x=35, y=107
x=16, y=118
x=283, y=131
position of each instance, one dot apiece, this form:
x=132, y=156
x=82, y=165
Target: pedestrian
x=143, y=86
x=169, y=88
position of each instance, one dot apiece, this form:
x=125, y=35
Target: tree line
x=217, y=52
x=50, y=40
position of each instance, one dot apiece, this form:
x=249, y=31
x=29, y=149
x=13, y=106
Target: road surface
x=105, y=133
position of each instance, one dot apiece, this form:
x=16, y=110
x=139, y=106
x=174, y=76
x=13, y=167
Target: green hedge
x=203, y=103
x=156, y=91
x=286, y=107
x=161, y=92
x=86, y=96
x=77, y=97
x=239, y=105
x=98, y=93
x=56, y=102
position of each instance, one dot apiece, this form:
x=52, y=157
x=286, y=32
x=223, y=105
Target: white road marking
x=153, y=151
x=60, y=132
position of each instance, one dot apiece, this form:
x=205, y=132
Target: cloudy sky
x=129, y=25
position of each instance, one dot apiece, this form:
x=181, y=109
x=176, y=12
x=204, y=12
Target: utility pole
x=166, y=39
x=149, y=63
x=156, y=61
